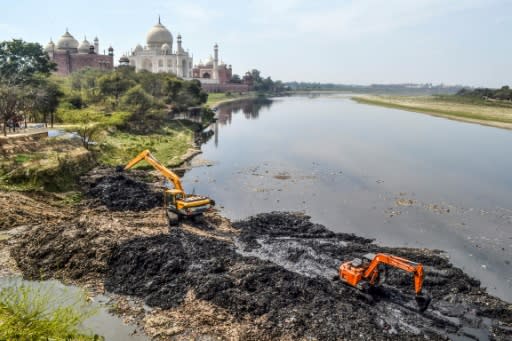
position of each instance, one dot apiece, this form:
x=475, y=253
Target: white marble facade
x=159, y=56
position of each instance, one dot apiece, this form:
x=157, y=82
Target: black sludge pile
x=121, y=191
x=280, y=275
x=163, y=269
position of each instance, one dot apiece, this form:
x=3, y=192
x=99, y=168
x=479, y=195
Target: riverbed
x=403, y=178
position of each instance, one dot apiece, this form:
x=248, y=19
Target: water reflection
x=250, y=108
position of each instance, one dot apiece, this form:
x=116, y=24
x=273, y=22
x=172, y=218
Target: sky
x=465, y=42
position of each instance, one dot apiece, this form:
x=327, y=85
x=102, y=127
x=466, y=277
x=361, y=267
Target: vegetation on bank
x=217, y=98
x=501, y=96
x=38, y=312
x=116, y=114
x=376, y=89
x=452, y=107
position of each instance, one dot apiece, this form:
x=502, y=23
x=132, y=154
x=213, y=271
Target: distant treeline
x=504, y=93
x=409, y=88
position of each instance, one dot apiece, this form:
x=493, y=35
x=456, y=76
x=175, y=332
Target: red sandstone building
x=71, y=56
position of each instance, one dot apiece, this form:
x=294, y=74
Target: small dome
x=123, y=60
x=67, y=42
x=49, y=47
x=138, y=48
x=166, y=47
x=158, y=35
x=110, y=48
x=209, y=61
x=84, y=47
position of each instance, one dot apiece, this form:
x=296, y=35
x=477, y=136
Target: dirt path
x=268, y=277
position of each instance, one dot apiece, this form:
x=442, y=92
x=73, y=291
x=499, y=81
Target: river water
x=403, y=178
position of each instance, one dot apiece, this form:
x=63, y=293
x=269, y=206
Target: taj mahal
x=159, y=55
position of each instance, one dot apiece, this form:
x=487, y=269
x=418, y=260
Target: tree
x=20, y=60
x=90, y=124
x=236, y=79
x=138, y=99
x=114, y=84
x=22, y=66
x=173, y=87
x=48, y=100
x=10, y=102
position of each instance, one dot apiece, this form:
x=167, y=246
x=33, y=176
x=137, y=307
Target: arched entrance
x=147, y=65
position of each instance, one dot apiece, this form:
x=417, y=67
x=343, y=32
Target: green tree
x=20, y=60
x=90, y=124
x=138, y=99
x=114, y=84
x=236, y=79
x=47, y=101
x=173, y=86
x=22, y=66
x=11, y=100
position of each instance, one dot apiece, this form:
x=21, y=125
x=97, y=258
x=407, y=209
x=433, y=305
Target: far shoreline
x=452, y=111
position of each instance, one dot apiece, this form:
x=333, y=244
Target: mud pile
x=163, y=269
x=121, y=191
x=72, y=250
x=279, y=275
x=18, y=209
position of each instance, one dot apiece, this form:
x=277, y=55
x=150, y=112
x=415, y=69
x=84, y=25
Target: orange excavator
x=370, y=272
x=177, y=203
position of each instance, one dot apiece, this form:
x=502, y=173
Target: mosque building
x=70, y=55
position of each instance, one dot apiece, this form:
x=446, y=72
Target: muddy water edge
x=401, y=178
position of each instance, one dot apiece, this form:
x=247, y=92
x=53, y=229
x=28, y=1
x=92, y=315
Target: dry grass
x=489, y=115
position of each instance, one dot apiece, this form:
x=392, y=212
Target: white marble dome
x=209, y=61
x=67, y=42
x=84, y=47
x=159, y=35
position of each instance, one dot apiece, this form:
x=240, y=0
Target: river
x=402, y=178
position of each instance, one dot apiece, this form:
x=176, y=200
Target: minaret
x=215, y=61
x=96, y=45
x=180, y=49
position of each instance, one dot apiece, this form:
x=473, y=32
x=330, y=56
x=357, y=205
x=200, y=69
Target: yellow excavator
x=177, y=203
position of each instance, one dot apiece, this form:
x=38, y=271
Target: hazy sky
x=342, y=41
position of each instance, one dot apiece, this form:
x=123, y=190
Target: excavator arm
x=167, y=173
x=381, y=258
x=364, y=275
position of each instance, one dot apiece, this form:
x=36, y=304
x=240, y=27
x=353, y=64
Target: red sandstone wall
x=62, y=60
x=224, y=75
x=225, y=87
x=67, y=63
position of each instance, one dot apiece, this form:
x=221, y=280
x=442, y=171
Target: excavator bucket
x=423, y=301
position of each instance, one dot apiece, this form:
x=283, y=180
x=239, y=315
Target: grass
x=169, y=145
x=52, y=164
x=38, y=312
x=491, y=114
x=216, y=98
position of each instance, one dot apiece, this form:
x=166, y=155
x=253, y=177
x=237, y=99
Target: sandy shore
x=493, y=116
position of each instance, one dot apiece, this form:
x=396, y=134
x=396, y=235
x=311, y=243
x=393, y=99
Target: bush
x=138, y=99
x=76, y=101
x=37, y=311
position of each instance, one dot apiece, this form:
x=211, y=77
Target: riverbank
x=217, y=99
x=484, y=114
x=261, y=278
